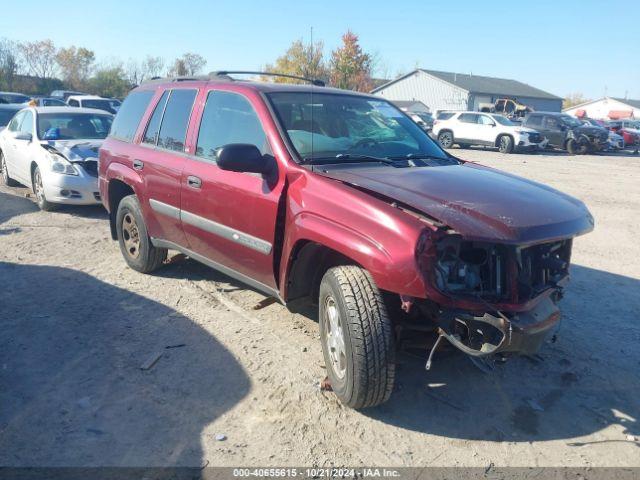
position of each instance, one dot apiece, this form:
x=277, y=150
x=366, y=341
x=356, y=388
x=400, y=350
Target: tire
x=445, y=139
x=135, y=244
x=505, y=144
x=6, y=179
x=577, y=148
x=361, y=367
x=38, y=189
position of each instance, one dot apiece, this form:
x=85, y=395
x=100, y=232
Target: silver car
x=54, y=151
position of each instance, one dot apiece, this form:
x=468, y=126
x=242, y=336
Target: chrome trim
x=165, y=209
x=210, y=226
x=223, y=231
x=267, y=290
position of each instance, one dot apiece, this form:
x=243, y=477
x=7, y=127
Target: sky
x=561, y=46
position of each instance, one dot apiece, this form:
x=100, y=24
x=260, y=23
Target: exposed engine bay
x=489, y=278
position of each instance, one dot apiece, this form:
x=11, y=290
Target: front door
x=230, y=217
x=553, y=131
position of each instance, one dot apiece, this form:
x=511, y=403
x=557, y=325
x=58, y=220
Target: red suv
x=305, y=192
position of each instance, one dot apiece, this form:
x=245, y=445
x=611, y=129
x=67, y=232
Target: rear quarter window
x=176, y=119
x=129, y=115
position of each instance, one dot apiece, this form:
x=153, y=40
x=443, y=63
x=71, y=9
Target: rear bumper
x=490, y=333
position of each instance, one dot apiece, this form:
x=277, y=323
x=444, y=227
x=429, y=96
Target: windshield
x=503, y=120
x=73, y=126
x=106, y=105
x=350, y=126
x=571, y=121
x=6, y=115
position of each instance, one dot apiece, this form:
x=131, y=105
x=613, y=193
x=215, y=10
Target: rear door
x=160, y=158
x=230, y=217
x=466, y=127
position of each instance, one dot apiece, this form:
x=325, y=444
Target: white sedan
x=54, y=151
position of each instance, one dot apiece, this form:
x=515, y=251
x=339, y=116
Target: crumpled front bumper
x=492, y=333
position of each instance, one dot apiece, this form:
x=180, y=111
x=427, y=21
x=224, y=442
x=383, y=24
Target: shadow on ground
x=14, y=205
x=583, y=383
x=72, y=391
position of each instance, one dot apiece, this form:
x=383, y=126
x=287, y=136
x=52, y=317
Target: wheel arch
x=117, y=189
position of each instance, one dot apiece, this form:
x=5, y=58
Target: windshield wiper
x=347, y=156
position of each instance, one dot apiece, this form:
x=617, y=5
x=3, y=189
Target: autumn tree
x=75, y=65
x=573, y=99
x=300, y=59
x=39, y=57
x=350, y=67
x=188, y=65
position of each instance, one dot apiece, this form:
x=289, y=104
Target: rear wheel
x=505, y=144
x=38, y=189
x=445, y=139
x=7, y=180
x=135, y=244
x=357, y=337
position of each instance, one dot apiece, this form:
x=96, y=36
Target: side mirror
x=243, y=157
x=23, y=136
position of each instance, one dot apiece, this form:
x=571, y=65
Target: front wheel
x=445, y=139
x=135, y=244
x=575, y=147
x=505, y=144
x=357, y=337
x=38, y=189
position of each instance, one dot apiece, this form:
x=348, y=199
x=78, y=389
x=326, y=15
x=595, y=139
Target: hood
x=478, y=202
x=591, y=130
x=75, y=150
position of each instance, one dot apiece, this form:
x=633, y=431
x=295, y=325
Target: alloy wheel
x=335, y=338
x=446, y=140
x=131, y=235
x=39, y=189
x=3, y=167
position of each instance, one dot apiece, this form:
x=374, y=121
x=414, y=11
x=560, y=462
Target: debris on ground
x=179, y=345
x=265, y=302
x=325, y=385
x=445, y=400
x=220, y=437
x=151, y=361
x=535, y=405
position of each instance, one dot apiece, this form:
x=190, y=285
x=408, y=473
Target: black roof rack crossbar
x=224, y=73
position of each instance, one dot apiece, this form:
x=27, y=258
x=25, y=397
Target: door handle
x=194, y=182
x=138, y=164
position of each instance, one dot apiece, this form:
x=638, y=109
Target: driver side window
x=228, y=118
x=14, y=124
x=26, y=126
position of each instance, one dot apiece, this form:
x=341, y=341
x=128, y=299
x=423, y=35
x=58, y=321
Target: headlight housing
x=522, y=132
x=61, y=165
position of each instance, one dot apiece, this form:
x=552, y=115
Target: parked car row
x=323, y=196
x=62, y=98
x=538, y=130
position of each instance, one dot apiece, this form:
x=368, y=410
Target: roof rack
x=226, y=73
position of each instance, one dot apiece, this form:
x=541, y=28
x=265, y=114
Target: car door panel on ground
x=160, y=159
x=238, y=238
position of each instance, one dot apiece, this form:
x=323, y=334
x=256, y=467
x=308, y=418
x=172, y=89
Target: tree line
x=38, y=67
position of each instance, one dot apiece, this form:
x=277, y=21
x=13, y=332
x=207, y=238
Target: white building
x=607, y=108
x=458, y=91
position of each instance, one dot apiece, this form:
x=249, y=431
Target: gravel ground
x=78, y=325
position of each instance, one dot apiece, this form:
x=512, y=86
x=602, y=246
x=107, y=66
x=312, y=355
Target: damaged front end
x=490, y=298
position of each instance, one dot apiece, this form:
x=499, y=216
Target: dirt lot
x=77, y=325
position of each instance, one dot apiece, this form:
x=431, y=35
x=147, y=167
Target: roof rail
x=226, y=73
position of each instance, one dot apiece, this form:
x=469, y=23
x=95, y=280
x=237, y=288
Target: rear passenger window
x=534, y=121
x=151, y=134
x=176, y=119
x=228, y=118
x=129, y=115
x=468, y=117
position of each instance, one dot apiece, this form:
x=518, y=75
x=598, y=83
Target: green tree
x=75, y=65
x=109, y=82
x=300, y=59
x=350, y=67
x=9, y=64
x=39, y=57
